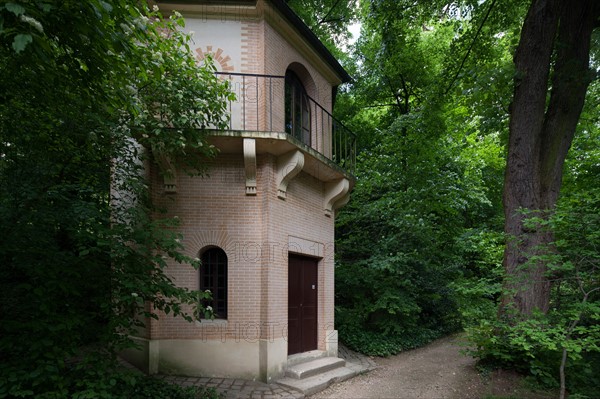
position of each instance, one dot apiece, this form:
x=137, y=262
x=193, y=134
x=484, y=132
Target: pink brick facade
x=257, y=233
x=287, y=212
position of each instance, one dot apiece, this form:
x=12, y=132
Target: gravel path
x=436, y=371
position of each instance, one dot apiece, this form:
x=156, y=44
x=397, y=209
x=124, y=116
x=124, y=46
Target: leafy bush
x=416, y=224
x=479, y=286
x=561, y=347
x=402, y=308
x=82, y=254
x=101, y=379
x=380, y=344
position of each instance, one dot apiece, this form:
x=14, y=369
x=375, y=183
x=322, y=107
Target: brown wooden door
x=302, y=304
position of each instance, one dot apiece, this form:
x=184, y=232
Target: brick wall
x=254, y=231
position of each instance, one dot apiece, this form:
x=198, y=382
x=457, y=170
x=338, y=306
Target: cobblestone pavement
x=234, y=388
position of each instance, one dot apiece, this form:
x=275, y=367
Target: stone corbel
x=250, y=165
x=169, y=174
x=288, y=166
x=337, y=193
x=342, y=201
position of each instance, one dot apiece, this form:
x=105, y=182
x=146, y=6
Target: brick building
x=262, y=221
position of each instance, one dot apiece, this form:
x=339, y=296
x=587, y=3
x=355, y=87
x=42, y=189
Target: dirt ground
x=436, y=371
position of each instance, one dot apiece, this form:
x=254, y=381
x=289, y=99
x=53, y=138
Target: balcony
x=259, y=111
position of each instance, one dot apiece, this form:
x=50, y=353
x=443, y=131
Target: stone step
x=314, y=367
x=305, y=357
x=319, y=382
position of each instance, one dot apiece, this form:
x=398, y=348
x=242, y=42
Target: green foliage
x=85, y=380
x=570, y=328
x=422, y=226
x=423, y=229
x=99, y=87
x=572, y=325
x=533, y=347
x=407, y=234
x=479, y=286
x=328, y=19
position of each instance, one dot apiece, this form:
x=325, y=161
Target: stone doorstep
x=319, y=382
x=314, y=367
x=305, y=357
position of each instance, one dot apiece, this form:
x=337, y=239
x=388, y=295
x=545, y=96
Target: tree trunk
x=541, y=133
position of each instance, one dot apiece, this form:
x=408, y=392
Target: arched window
x=297, y=111
x=213, y=277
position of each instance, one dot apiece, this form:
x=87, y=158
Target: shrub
x=561, y=346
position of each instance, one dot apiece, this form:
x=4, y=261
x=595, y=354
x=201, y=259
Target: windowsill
x=211, y=322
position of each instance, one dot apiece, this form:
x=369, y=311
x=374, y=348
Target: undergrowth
x=378, y=344
x=100, y=381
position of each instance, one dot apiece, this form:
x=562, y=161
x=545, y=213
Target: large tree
x=552, y=76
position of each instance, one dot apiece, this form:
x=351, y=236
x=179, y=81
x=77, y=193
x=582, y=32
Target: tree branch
x=462, y=64
x=325, y=18
x=570, y=82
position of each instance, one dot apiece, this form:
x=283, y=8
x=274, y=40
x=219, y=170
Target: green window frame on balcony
x=297, y=110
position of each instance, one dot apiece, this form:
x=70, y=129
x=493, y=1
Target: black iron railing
x=260, y=106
